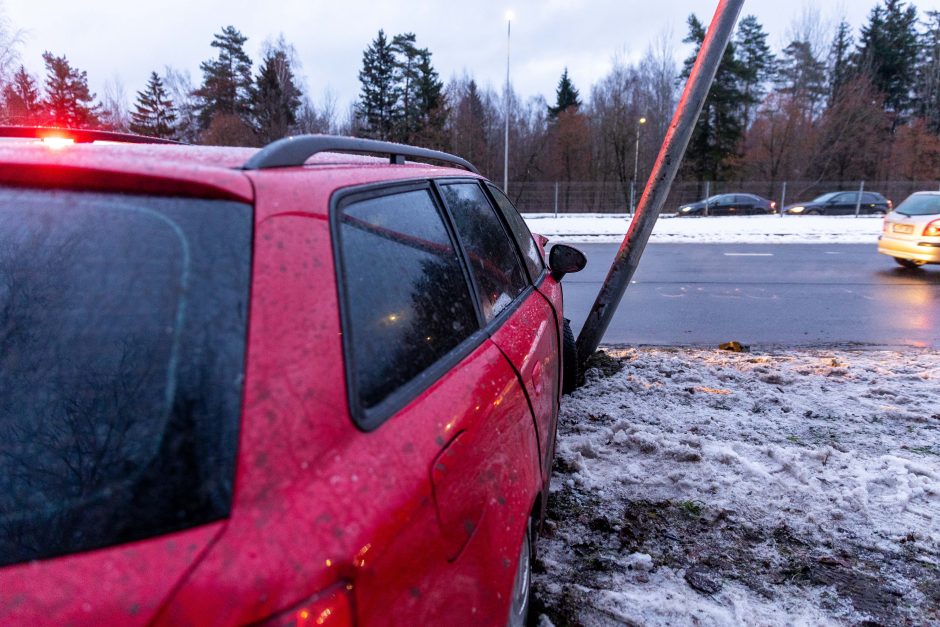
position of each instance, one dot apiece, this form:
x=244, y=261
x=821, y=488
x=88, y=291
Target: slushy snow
x=708, y=487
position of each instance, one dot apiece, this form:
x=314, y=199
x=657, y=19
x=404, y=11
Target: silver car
x=911, y=233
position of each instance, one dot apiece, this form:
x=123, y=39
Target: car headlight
x=685, y=209
x=796, y=209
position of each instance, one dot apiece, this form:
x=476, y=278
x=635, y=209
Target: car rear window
x=122, y=342
x=920, y=205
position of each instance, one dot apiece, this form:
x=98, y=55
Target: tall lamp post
x=509, y=17
x=636, y=164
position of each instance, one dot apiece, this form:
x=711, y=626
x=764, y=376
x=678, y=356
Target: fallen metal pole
x=661, y=178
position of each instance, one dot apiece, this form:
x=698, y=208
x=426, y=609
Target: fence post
x=556, y=199
x=783, y=198
x=708, y=192
x=858, y=203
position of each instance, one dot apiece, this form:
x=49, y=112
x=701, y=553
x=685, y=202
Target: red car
x=276, y=386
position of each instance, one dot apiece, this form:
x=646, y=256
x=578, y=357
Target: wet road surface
x=763, y=295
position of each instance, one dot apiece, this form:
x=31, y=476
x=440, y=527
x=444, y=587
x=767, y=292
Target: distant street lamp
x=509, y=18
x=636, y=164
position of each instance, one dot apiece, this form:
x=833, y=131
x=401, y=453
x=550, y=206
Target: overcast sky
x=124, y=40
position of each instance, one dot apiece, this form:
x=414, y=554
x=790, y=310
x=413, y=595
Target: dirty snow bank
x=608, y=228
x=793, y=487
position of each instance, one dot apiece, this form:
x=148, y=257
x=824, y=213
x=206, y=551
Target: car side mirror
x=564, y=259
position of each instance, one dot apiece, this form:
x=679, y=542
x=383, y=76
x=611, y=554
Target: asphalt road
x=763, y=295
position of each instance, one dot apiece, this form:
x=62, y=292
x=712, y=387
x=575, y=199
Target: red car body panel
x=419, y=521
x=117, y=585
x=530, y=340
x=135, y=169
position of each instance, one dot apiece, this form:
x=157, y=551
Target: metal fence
x=591, y=197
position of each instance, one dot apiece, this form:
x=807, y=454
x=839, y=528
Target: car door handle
x=537, y=383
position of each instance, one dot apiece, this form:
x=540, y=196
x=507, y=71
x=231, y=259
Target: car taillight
x=773, y=204
x=890, y=205
x=331, y=608
x=932, y=229
x=57, y=142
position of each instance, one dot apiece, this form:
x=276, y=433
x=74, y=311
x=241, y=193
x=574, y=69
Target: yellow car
x=911, y=233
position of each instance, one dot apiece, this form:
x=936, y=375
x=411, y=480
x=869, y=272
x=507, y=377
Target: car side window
x=407, y=301
x=870, y=198
x=492, y=257
x=530, y=250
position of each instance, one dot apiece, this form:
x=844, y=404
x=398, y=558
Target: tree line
x=837, y=107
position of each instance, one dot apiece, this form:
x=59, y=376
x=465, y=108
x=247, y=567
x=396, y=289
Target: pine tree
x=469, y=122
x=379, y=93
x=418, y=114
x=277, y=97
x=21, y=101
x=757, y=64
x=565, y=96
x=431, y=107
x=406, y=111
x=154, y=114
x=68, y=101
x=840, y=70
x=927, y=97
x=803, y=77
x=887, y=51
x=227, y=86
x=718, y=133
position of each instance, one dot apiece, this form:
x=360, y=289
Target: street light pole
x=636, y=165
x=506, y=136
x=661, y=177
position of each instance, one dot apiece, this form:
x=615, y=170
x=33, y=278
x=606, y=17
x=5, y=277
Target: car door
x=519, y=319
x=424, y=370
x=745, y=204
x=843, y=204
x=724, y=205
x=549, y=289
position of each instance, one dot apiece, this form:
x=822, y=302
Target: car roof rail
x=78, y=135
x=294, y=151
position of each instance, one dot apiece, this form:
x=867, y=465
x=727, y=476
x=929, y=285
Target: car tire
x=813, y=212
x=909, y=264
x=520, y=598
x=569, y=360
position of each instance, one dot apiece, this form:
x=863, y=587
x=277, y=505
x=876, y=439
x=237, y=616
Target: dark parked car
x=729, y=205
x=842, y=204
x=284, y=386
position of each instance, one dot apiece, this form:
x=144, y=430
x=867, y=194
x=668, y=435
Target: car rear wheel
x=519, y=611
x=910, y=264
x=569, y=360
x=814, y=212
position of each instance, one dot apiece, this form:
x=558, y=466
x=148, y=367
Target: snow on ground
x=782, y=488
x=768, y=229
